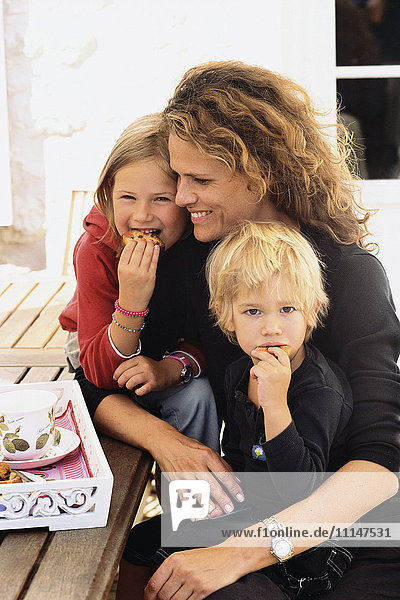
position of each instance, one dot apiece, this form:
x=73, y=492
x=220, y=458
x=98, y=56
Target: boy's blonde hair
x=261, y=256
x=139, y=141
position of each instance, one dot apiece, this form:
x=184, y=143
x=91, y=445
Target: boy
x=287, y=406
x=266, y=293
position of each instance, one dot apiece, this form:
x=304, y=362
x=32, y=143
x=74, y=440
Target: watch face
x=186, y=374
x=282, y=548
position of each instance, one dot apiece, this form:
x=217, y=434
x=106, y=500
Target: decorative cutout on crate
x=75, y=501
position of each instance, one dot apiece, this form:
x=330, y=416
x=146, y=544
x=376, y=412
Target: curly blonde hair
x=263, y=125
x=261, y=257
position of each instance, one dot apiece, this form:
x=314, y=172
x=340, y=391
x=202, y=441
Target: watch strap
x=272, y=524
x=186, y=368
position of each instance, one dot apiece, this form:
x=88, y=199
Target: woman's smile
x=216, y=198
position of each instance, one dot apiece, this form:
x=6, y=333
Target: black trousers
x=374, y=574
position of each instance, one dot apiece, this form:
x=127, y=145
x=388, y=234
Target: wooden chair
x=81, y=203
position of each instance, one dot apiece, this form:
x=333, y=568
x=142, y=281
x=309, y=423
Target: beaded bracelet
x=130, y=313
x=125, y=328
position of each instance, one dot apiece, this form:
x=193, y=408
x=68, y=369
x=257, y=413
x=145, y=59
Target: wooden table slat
x=18, y=322
x=19, y=553
x=46, y=325
x=102, y=547
x=4, y=285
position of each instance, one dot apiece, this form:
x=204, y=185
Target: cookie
x=285, y=348
x=137, y=235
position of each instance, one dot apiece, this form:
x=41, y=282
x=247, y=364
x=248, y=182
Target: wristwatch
x=187, y=372
x=281, y=544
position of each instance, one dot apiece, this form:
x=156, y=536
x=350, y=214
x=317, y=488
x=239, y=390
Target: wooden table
x=76, y=564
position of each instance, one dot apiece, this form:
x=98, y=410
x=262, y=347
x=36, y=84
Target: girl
x=136, y=191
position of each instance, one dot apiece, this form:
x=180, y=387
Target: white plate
x=69, y=442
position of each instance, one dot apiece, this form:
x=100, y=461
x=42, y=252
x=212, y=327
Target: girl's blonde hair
x=264, y=126
x=261, y=256
x=140, y=141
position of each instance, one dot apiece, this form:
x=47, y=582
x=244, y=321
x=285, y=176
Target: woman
x=246, y=145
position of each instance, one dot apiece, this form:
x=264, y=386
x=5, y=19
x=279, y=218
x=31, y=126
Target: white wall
x=79, y=72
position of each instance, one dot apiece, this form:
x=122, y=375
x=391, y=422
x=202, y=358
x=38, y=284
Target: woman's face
x=215, y=199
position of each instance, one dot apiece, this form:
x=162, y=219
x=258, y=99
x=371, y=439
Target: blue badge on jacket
x=258, y=453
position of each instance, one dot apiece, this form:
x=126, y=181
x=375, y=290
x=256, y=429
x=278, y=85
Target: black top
x=320, y=402
x=361, y=334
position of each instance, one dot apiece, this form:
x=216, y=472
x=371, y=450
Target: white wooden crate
x=70, y=503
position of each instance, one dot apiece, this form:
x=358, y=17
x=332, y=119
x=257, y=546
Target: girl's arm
x=96, y=291
x=103, y=343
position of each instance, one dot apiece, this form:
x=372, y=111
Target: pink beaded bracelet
x=130, y=313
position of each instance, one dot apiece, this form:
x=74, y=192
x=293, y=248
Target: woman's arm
x=122, y=418
x=341, y=500
x=362, y=335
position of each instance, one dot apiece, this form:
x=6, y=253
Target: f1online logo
x=189, y=499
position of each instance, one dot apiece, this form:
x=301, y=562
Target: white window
x=309, y=57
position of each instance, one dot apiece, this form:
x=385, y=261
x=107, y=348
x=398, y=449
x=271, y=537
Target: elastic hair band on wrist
x=130, y=313
x=125, y=328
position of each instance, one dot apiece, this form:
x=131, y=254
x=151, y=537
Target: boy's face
x=264, y=317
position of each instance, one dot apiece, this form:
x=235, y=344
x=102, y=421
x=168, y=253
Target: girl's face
x=144, y=199
x=267, y=318
x=215, y=198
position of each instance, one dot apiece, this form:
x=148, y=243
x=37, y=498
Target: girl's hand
x=273, y=374
x=195, y=574
x=151, y=375
x=137, y=274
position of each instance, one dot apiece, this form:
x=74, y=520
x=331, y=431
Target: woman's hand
x=195, y=574
x=180, y=457
x=137, y=274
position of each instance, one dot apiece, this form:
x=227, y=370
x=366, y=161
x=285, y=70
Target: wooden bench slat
x=58, y=339
x=18, y=322
x=11, y=374
x=39, y=374
x=18, y=554
x=45, y=326
x=21, y=357
x=65, y=375
x=13, y=295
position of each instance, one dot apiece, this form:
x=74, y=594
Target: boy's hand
x=151, y=375
x=273, y=374
x=137, y=274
